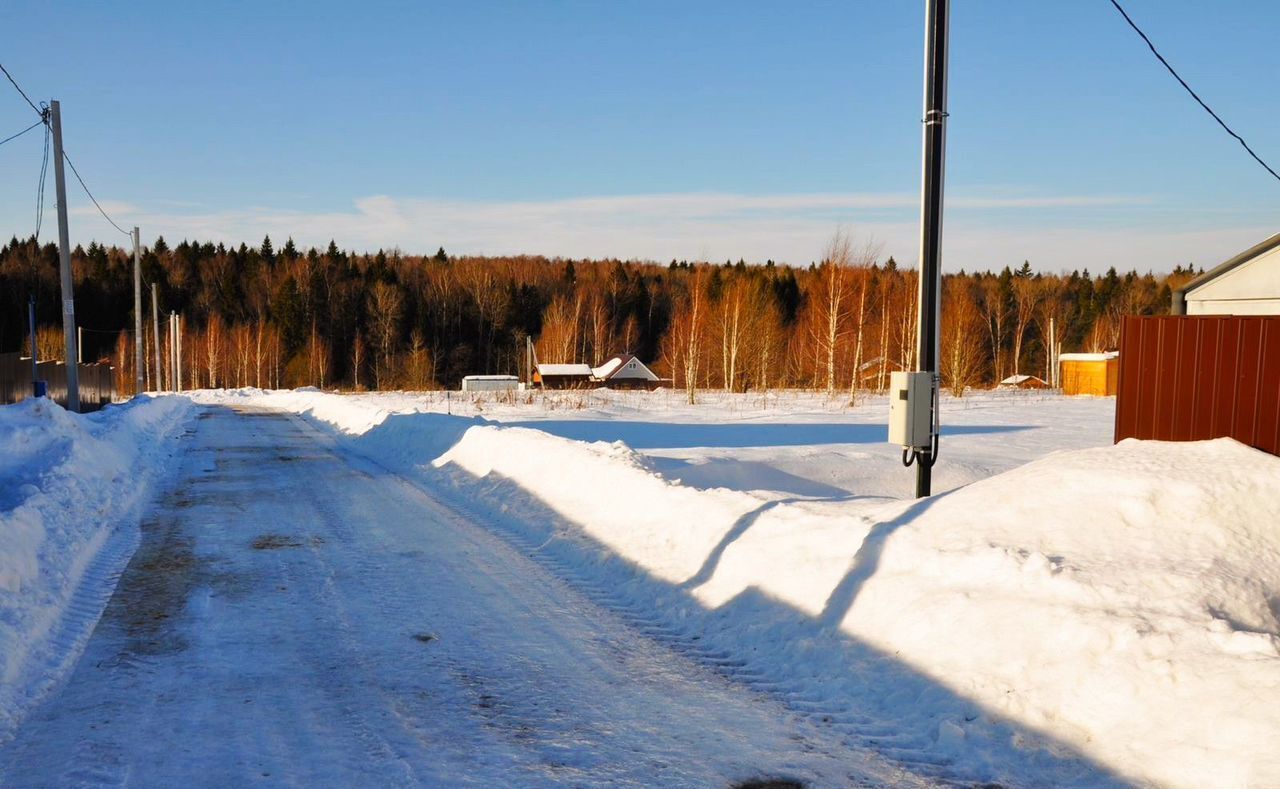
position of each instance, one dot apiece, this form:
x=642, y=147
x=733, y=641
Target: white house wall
x=637, y=373
x=1251, y=288
x=1234, y=307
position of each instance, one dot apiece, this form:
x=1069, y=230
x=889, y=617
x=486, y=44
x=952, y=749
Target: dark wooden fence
x=97, y=381
x=1186, y=378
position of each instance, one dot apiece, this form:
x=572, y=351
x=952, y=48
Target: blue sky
x=653, y=129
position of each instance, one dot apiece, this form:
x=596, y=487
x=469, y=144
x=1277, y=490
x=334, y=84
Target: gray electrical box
x=911, y=409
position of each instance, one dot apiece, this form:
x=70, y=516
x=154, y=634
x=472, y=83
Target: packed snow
x=296, y=615
x=1113, y=605
x=1062, y=611
x=71, y=490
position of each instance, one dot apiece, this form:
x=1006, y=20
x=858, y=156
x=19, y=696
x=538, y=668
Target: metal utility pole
x=64, y=255
x=937, y=13
x=155, y=338
x=173, y=352
x=31, y=322
x=1053, y=361
x=177, y=352
x=139, y=385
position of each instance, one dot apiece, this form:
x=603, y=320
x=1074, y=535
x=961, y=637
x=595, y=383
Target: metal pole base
x=924, y=473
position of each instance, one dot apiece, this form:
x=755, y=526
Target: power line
x=1184, y=84
x=94, y=199
x=24, y=131
x=44, y=170
x=44, y=118
x=20, y=90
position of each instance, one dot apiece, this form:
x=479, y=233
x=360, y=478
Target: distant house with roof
x=1023, y=382
x=562, y=376
x=625, y=371
x=1247, y=284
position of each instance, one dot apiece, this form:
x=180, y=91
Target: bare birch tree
x=1026, y=294
x=961, y=340
x=683, y=345
x=385, y=306
x=996, y=312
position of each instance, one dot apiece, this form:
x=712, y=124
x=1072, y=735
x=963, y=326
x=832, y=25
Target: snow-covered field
x=796, y=443
x=1065, y=611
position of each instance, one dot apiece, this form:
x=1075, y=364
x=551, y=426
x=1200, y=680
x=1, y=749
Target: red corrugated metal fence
x=1186, y=378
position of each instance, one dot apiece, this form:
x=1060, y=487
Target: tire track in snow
x=727, y=667
x=857, y=732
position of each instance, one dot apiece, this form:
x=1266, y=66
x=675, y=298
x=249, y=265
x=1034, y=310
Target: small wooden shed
x=1090, y=373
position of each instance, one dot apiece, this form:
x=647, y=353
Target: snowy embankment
x=1115, y=606
x=73, y=488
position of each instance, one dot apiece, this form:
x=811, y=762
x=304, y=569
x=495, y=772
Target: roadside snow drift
x=1122, y=599
x=1118, y=605
x=71, y=490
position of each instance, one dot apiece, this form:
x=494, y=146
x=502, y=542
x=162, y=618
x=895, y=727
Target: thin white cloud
x=114, y=208
x=790, y=228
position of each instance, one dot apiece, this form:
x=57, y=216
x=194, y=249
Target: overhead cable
x=18, y=87
x=24, y=131
x=1199, y=100
x=91, y=197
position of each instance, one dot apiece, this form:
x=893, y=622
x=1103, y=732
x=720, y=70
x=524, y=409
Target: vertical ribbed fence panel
x=1188, y=378
x=97, y=382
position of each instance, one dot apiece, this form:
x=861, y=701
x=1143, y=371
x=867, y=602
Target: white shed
x=1247, y=284
x=490, y=383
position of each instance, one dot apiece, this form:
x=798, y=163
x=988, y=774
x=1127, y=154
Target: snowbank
x=1117, y=604
x=68, y=485
x=1123, y=600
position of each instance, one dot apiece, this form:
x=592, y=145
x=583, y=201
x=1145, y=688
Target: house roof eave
x=1222, y=268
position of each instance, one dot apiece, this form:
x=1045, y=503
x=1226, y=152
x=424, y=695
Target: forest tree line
x=258, y=316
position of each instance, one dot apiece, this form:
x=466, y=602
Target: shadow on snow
x=870, y=697
x=663, y=435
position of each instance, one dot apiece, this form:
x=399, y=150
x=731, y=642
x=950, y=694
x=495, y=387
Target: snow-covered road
x=297, y=615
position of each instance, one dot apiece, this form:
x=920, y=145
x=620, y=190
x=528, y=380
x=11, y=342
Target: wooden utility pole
x=937, y=13
x=64, y=257
x=139, y=384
